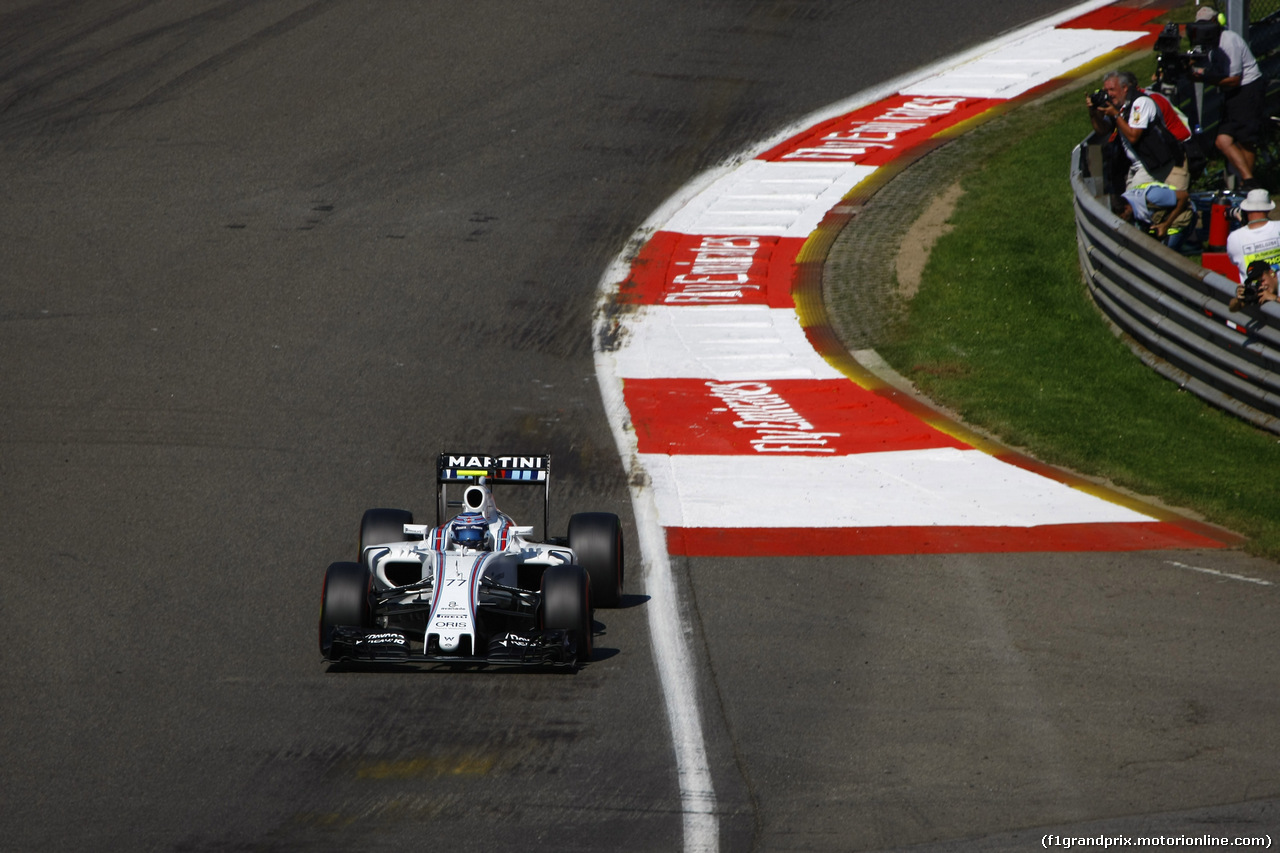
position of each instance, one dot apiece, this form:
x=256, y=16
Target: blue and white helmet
x=470, y=530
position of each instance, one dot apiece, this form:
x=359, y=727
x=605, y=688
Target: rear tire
x=344, y=601
x=381, y=526
x=596, y=539
x=566, y=605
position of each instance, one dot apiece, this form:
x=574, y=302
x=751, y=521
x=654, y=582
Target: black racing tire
x=380, y=526
x=596, y=540
x=344, y=600
x=566, y=605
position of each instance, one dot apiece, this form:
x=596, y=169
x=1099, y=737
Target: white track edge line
x=667, y=628
x=1221, y=574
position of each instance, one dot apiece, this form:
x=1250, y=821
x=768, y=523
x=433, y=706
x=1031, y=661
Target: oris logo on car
x=445, y=623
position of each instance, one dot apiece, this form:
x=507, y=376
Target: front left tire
x=344, y=600
x=566, y=605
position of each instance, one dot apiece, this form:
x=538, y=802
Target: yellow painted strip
x=413, y=768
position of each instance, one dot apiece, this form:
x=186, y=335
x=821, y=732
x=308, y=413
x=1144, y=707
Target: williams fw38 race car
x=476, y=589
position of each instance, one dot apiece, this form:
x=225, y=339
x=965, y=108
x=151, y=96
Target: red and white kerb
x=751, y=442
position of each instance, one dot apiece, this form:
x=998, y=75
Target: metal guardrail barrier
x=1174, y=314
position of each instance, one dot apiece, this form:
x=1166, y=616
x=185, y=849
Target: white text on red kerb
x=779, y=427
x=719, y=271
x=881, y=132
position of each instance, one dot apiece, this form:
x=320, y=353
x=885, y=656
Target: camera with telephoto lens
x=1171, y=62
x=1099, y=99
x=1251, y=287
x=1203, y=37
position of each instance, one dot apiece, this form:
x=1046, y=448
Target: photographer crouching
x=1259, y=286
x=1156, y=156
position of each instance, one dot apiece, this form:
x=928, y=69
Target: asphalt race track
x=261, y=261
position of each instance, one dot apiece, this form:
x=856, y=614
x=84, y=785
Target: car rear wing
x=512, y=469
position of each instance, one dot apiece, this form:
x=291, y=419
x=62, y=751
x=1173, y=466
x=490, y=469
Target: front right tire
x=596, y=540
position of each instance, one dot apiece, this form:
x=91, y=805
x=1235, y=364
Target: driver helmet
x=470, y=530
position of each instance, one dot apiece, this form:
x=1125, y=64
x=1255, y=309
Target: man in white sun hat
x=1259, y=239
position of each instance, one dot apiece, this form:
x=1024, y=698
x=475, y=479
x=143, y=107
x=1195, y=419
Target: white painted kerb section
x=1016, y=68
x=721, y=342
x=768, y=199
x=942, y=486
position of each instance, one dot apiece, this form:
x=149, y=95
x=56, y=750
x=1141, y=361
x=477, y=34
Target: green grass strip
x=1003, y=332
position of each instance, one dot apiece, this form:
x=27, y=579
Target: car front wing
x=376, y=645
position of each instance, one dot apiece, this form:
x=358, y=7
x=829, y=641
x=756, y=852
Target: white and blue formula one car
x=477, y=589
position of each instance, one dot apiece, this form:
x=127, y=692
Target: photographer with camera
x=1155, y=155
x=1232, y=68
x=1259, y=239
x=1259, y=286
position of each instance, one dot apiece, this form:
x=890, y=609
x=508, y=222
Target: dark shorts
x=1242, y=110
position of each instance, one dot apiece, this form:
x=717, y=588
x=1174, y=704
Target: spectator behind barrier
x=1233, y=69
x=1259, y=239
x=1259, y=286
x=1156, y=156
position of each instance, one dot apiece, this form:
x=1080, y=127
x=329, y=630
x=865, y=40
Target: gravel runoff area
x=860, y=281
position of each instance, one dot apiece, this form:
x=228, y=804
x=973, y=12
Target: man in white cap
x=1234, y=71
x=1259, y=239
